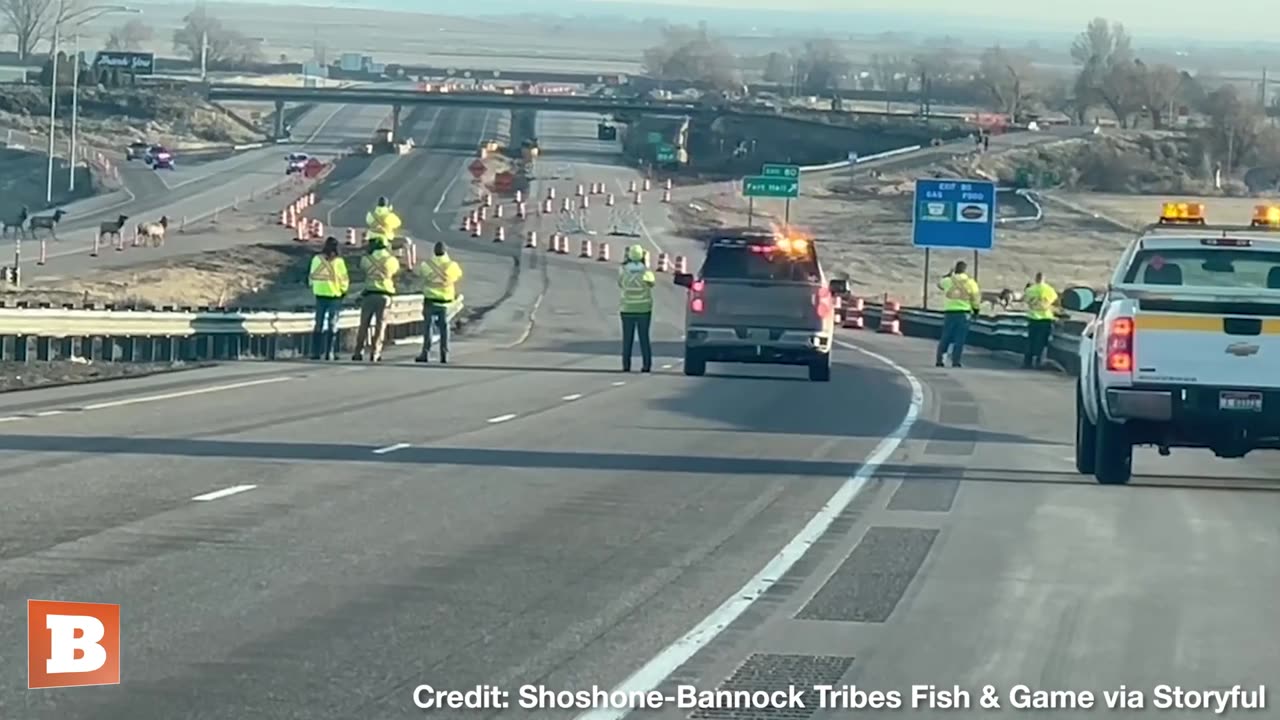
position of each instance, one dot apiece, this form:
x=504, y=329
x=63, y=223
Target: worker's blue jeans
x=955, y=330
x=327, y=311
x=435, y=312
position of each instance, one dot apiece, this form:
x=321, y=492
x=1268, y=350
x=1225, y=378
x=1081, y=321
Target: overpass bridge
x=397, y=99
x=530, y=76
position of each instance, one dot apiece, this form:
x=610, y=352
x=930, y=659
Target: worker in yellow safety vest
x=382, y=222
x=961, y=300
x=636, y=281
x=1041, y=300
x=380, y=267
x=440, y=275
x=329, y=283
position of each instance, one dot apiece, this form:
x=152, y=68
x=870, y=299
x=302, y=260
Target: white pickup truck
x=1184, y=350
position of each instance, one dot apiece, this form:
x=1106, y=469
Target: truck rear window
x=760, y=262
x=1207, y=267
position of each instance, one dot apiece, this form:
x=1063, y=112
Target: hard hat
x=384, y=202
x=635, y=253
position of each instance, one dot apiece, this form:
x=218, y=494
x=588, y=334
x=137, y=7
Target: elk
x=154, y=231
x=112, y=227
x=17, y=223
x=46, y=222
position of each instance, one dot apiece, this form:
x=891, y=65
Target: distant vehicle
x=760, y=298
x=296, y=163
x=1181, y=350
x=158, y=157
x=136, y=151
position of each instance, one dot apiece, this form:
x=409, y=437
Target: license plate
x=1236, y=401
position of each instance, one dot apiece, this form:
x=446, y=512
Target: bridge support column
x=279, y=129
x=395, y=122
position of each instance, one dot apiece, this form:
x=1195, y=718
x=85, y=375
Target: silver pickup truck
x=760, y=298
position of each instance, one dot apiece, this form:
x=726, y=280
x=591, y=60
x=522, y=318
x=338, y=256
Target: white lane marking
x=185, y=393
x=391, y=448
x=328, y=217
x=620, y=383
x=640, y=219
x=224, y=492
x=654, y=672
x=49, y=413
x=668, y=366
x=447, y=189
x=572, y=397
x=11, y=418
x=502, y=418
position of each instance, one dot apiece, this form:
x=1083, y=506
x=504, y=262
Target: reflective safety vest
x=636, y=282
x=961, y=293
x=1040, y=299
x=382, y=222
x=380, y=268
x=329, y=278
x=440, y=274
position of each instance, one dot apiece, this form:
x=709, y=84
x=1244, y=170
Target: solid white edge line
x=11, y=418
x=185, y=393
x=391, y=448
x=502, y=418
x=224, y=492
x=666, y=662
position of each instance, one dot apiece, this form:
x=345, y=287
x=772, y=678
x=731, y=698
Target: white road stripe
x=502, y=418
x=620, y=383
x=185, y=393
x=654, y=672
x=574, y=396
x=49, y=413
x=391, y=448
x=224, y=492
x=668, y=366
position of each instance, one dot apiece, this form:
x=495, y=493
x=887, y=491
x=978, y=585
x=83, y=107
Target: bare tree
x=129, y=36
x=1005, y=77
x=1108, y=75
x=1236, y=124
x=777, y=68
x=929, y=68
x=823, y=65
x=691, y=56
x=888, y=70
x=200, y=30
x=26, y=21
x=1160, y=86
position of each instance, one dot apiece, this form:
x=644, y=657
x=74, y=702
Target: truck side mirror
x=1080, y=299
x=838, y=287
x=684, y=280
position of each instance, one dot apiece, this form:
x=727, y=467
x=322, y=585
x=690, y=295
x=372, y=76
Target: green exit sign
x=781, y=171
x=762, y=186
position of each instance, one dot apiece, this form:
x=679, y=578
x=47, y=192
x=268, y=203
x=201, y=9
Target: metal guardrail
x=126, y=335
x=999, y=333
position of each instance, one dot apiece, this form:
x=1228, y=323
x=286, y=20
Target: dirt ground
x=863, y=226
x=26, y=376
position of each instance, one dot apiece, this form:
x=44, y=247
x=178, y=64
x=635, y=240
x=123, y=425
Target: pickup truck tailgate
x=769, y=304
x=1207, y=349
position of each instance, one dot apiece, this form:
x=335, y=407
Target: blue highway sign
x=956, y=214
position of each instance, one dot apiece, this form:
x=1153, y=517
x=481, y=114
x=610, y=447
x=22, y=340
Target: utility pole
x=204, y=56
x=53, y=108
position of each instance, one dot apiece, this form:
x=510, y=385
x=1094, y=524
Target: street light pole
x=75, y=113
x=204, y=56
x=53, y=111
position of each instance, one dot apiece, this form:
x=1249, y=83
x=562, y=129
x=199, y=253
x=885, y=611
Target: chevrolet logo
x=1242, y=349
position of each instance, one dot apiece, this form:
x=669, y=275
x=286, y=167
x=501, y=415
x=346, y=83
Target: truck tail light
x=697, y=297
x=1120, y=345
x=824, y=303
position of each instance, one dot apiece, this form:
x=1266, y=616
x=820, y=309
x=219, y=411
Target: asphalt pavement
x=195, y=192
x=305, y=540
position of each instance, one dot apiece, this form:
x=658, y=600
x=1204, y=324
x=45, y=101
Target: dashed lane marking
x=572, y=397
x=667, y=661
x=502, y=418
x=224, y=492
x=668, y=366
x=391, y=448
x=620, y=383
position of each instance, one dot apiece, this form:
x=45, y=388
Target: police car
x=1184, y=350
x=296, y=163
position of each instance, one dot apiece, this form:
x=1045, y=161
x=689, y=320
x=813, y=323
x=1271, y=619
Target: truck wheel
x=1113, y=453
x=1086, y=442
x=694, y=364
x=820, y=368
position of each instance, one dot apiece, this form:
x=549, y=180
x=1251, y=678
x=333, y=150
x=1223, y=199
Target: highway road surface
x=195, y=192
x=303, y=540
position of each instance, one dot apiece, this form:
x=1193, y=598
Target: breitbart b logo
x=71, y=644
